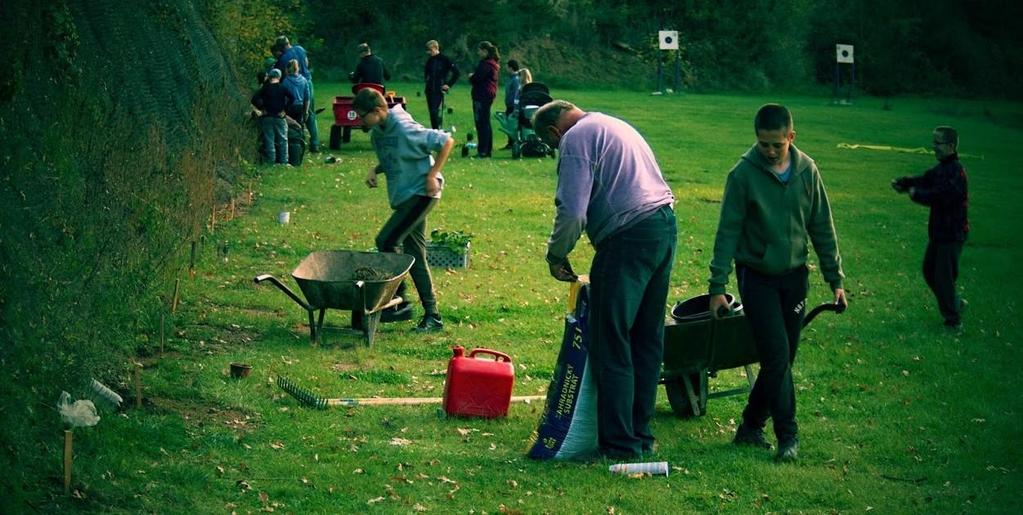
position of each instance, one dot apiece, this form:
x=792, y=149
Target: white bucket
x=283, y=217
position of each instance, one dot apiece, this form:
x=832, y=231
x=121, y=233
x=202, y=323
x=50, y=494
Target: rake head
x=303, y=396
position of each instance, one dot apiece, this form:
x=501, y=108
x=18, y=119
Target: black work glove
x=900, y=185
x=561, y=270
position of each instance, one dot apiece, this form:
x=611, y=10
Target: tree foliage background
x=949, y=47
x=123, y=125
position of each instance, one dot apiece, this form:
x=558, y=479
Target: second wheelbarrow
x=362, y=282
x=697, y=346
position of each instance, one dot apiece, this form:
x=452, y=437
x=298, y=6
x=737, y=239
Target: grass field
x=896, y=414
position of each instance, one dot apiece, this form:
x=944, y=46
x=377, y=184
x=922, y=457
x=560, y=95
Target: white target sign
x=668, y=39
x=844, y=53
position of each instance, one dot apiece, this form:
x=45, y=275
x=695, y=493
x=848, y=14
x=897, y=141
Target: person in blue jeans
x=484, y=91
x=271, y=101
x=610, y=185
x=287, y=52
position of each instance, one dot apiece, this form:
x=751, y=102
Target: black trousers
x=405, y=231
x=941, y=269
x=629, y=280
x=774, y=306
x=484, y=132
x=435, y=104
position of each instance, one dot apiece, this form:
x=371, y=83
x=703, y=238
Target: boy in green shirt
x=774, y=205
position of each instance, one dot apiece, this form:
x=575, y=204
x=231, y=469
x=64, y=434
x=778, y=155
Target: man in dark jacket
x=370, y=69
x=270, y=102
x=943, y=189
x=440, y=74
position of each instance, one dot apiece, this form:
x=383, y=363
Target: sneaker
x=753, y=437
x=788, y=450
x=431, y=322
x=398, y=313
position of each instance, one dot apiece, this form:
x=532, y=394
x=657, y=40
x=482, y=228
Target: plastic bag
x=81, y=413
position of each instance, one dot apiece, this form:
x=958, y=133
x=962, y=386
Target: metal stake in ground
x=68, y=453
x=191, y=262
x=138, y=385
x=174, y=299
x=163, y=333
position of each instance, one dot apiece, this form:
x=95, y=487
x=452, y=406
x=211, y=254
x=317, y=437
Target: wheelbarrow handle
x=827, y=306
x=285, y=289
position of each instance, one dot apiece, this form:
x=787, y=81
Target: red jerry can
x=478, y=387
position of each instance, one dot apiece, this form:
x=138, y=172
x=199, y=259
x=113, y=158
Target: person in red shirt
x=484, y=90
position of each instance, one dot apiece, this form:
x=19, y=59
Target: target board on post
x=668, y=39
x=844, y=53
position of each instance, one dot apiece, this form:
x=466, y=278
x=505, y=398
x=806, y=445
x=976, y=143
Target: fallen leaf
x=375, y=500
x=513, y=483
x=400, y=441
x=244, y=485
x=220, y=470
x=264, y=497
x=277, y=445
x=419, y=507
x=358, y=471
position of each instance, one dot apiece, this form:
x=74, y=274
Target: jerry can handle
x=497, y=354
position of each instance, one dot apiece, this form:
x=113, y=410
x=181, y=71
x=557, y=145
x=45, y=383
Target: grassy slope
x=896, y=414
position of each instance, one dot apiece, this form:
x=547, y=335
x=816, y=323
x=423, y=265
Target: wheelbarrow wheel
x=679, y=398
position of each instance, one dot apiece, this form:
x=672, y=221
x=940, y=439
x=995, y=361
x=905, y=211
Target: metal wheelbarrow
x=697, y=346
x=362, y=282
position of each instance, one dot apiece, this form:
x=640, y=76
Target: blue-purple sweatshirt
x=404, y=147
x=608, y=179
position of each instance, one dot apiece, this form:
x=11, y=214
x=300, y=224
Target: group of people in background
x=285, y=98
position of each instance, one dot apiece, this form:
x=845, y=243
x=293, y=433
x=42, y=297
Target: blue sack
x=568, y=426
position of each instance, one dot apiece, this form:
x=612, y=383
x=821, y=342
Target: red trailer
x=345, y=116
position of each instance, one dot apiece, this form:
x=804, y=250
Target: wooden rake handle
x=409, y=401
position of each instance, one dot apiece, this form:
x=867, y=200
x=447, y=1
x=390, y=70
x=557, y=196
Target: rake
x=312, y=400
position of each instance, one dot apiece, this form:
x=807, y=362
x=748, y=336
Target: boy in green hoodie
x=774, y=205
